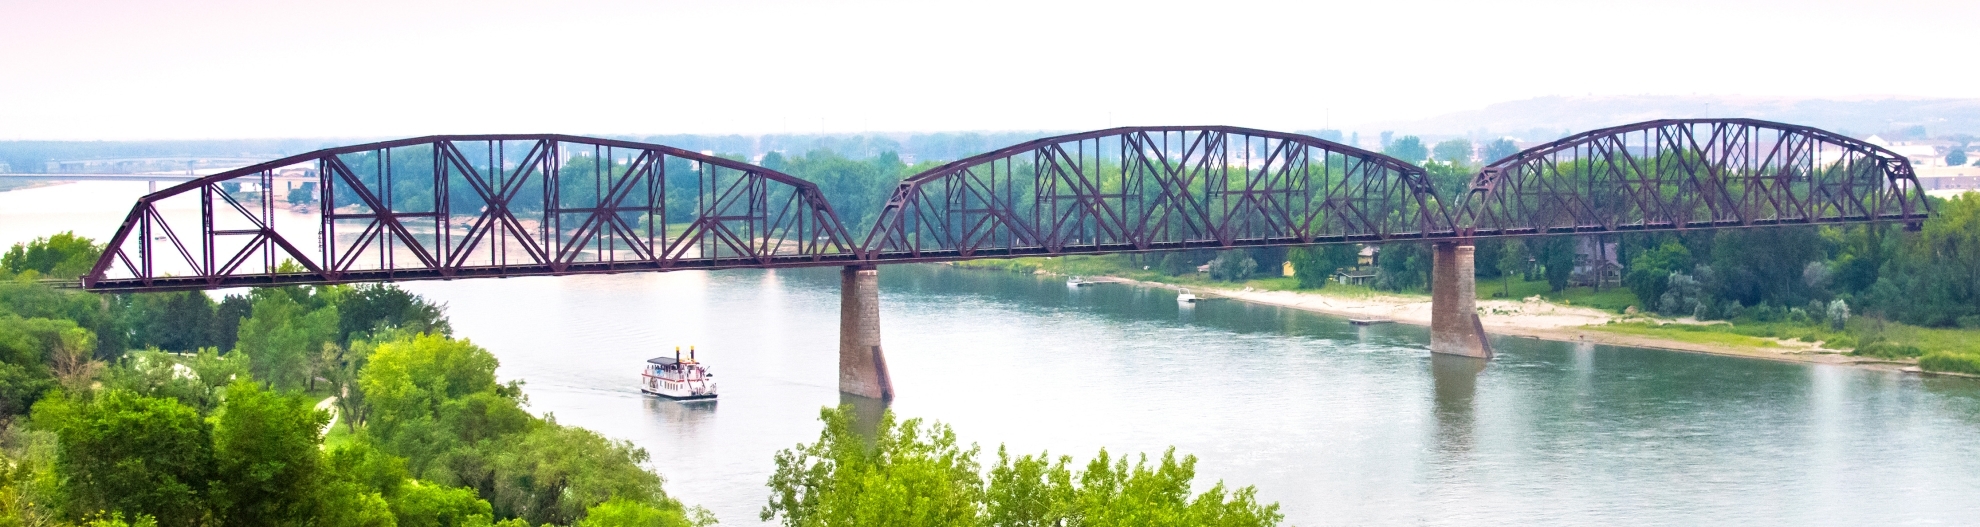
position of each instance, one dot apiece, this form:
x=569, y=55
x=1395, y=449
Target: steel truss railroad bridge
x=473, y=206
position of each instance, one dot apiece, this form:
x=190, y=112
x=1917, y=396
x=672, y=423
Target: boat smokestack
x=677, y=353
x=690, y=353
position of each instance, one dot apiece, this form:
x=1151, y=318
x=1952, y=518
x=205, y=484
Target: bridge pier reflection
x=862, y=366
x=1456, y=381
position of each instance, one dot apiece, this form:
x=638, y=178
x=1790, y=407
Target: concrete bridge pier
x=1454, y=325
x=862, y=367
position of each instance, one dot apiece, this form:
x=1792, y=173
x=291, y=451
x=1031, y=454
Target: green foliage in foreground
x=128, y=453
x=911, y=474
x=63, y=255
x=231, y=435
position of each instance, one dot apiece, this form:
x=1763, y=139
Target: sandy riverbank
x=1530, y=318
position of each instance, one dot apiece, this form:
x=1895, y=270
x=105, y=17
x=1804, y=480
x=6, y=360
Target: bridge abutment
x=862, y=367
x=1454, y=325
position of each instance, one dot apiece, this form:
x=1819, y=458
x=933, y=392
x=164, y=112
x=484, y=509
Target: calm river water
x=1342, y=425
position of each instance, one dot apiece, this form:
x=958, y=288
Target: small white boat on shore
x=1183, y=296
x=676, y=378
x=1074, y=281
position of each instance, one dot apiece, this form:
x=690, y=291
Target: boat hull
x=678, y=397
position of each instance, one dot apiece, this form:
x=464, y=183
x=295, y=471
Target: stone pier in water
x=1454, y=325
x=862, y=367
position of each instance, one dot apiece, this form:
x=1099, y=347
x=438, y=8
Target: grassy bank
x=1935, y=349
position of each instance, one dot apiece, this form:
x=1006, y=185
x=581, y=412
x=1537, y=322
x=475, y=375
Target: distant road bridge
x=96, y=177
x=451, y=207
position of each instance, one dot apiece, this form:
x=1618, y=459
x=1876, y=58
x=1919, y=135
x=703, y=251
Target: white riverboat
x=1183, y=296
x=677, y=378
x=1075, y=281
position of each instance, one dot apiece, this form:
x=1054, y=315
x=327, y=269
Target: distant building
x=1961, y=182
x=1357, y=277
x=1921, y=153
x=1595, y=262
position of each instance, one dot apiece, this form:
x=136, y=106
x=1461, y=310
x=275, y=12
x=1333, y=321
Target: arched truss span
x=1691, y=173
x=1155, y=188
x=445, y=207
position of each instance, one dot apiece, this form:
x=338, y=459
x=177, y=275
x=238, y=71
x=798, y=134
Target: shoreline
x=1530, y=318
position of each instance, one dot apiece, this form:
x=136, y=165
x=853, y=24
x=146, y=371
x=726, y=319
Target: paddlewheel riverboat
x=676, y=378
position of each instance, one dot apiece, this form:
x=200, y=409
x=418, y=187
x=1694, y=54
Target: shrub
x=1947, y=361
x=1176, y=263
x=1888, y=350
x=1731, y=310
x=1233, y=266
x=1838, y=314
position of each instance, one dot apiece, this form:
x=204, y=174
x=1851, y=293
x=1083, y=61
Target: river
x=1341, y=425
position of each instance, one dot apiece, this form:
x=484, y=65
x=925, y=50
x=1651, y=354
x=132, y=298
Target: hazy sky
x=163, y=69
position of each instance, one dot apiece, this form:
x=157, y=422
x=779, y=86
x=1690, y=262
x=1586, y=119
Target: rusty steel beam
x=1678, y=174
x=1155, y=188
x=469, y=206
x=449, y=207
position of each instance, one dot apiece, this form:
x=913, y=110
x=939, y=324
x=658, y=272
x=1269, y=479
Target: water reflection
x=689, y=415
x=1340, y=424
x=1456, y=381
x=867, y=413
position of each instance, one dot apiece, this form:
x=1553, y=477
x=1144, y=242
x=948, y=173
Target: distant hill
x=1547, y=118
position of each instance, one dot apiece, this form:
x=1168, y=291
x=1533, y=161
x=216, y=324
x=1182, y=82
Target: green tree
x=434, y=401
x=554, y=473
x=1933, y=279
x=227, y=318
x=1030, y=491
x=371, y=307
x=906, y=474
x=1403, y=266
x=1450, y=180
x=126, y=453
x=1314, y=265
x=1233, y=265
x=27, y=345
x=620, y=512
x=29, y=485
x=283, y=336
x=153, y=373
x=88, y=311
x=303, y=194
x=1513, y=257
x=63, y=255
x=1409, y=149
x=426, y=505
x=1455, y=151
x=409, y=379
x=1956, y=157
x=1177, y=263
x=266, y=457
x=1556, y=255
x=177, y=321
x=342, y=368
x=359, y=477
x=1757, y=266
x=1500, y=148
x=1649, y=272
